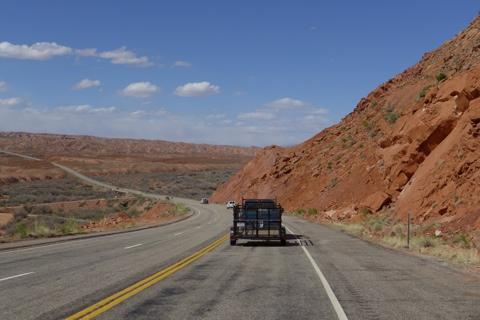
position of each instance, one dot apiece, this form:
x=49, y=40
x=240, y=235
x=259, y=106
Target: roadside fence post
x=408, y=229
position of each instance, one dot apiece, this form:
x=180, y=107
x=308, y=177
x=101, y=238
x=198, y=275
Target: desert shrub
x=423, y=242
x=374, y=104
x=312, y=212
x=368, y=125
x=377, y=223
x=133, y=212
x=299, y=211
x=333, y=183
x=329, y=165
x=423, y=92
x=348, y=141
x=390, y=115
x=462, y=240
x=440, y=77
x=364, y=212
x=178, y=208
x=69, y=227
x=21, y=230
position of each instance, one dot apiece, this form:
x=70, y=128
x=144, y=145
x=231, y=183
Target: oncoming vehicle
x=230, y=204
x=204, y=201
x=257, y=219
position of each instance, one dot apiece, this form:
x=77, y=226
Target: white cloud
x=320, y=111
x=216, y=116
x=287, y=103
x=8, y=102
x=85, y=108
x=181, y=63
x=124, y=56
x=197, y=89
x=155, y=113
x=3, y=86
x=89, y=52
x=36, y=51
x=86, y=83
x=48, y=50
x=257, y=115
x=140, y=90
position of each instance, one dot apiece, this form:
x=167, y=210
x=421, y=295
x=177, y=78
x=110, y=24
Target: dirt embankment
x=83, y=216
x=411, y=145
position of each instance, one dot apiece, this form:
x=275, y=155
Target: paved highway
x=180, y=271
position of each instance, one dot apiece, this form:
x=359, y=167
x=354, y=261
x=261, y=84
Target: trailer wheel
x=233, y=242
x=283, y=242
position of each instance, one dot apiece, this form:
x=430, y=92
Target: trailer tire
x=283, y=242
x=233, y=242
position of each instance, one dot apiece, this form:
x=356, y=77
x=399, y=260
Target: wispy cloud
x=3, y=86
x=286, y=103
x=86, y=83
x=140, y=90
x=197, y=89
x=182, y=63
x=8, y=102
x=257, y=115
x=85, y=108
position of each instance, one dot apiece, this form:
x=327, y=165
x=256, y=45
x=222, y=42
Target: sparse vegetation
x=299, y=212
x=390, y=115
x=329, y=165
x=47, y=191
x=382, y=228
x=179, y=209
x=34, y=221
x=370, y=128
x=312, y=212
x=440, y=77
x=423, y=92
x=333, y=183
x=348, y=141
x=188, y=184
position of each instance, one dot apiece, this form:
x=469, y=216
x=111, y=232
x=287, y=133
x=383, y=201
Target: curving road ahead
x=321, y=274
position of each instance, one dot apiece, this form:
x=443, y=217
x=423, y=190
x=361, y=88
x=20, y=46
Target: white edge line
x=133, y=246
x=16, y=276
x=331, y=295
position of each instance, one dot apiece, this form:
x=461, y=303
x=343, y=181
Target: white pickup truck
x=230, y=204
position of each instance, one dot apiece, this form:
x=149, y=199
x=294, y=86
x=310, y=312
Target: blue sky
x=227, y=72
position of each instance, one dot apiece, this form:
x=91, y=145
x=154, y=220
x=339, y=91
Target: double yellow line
x=111, y=301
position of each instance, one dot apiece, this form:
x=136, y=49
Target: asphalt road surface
x=320, y=274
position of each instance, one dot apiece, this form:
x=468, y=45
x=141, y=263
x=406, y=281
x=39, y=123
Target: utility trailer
x=257, y=219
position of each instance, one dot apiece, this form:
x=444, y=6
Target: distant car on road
x=258, y=219
x=204, y=201
x=230, y=204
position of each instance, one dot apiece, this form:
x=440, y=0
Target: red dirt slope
x=412, y=144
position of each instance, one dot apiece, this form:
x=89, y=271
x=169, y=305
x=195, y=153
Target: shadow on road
x=293, y=240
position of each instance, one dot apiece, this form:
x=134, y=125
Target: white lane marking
x=133, y=246
x=178, y=233
x=198, y=227
x=331, y=295
x=16, y=276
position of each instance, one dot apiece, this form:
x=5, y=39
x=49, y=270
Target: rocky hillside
x=412, y=144
x=45, y=144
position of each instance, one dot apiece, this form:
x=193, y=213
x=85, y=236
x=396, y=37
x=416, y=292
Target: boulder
x=461, y=102
x=376, y=201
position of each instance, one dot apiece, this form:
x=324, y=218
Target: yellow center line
x=113, y=300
